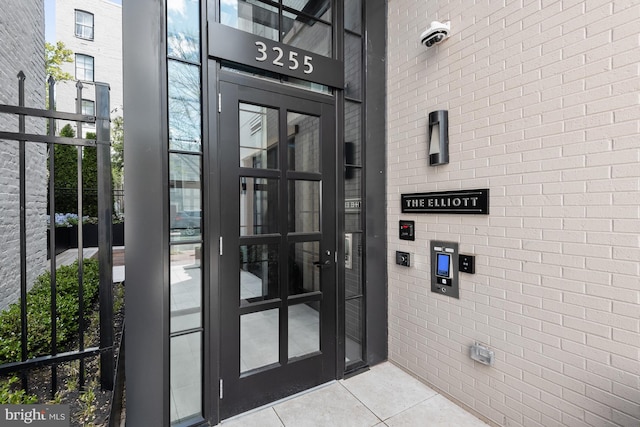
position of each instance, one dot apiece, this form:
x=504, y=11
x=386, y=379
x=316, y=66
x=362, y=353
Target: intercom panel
x=444, y=268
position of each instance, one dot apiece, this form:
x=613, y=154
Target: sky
x=50, y=19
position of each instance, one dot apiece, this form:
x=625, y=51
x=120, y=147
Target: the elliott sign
x=443, y=202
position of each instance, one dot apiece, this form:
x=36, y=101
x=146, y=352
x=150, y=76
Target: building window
x=88, y=107
x=84, y=25
x=84, y=67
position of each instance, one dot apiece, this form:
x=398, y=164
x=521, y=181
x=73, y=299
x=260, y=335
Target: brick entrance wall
x=544, y=111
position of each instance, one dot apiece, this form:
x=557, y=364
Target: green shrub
x=39, y=313
x=11, y=396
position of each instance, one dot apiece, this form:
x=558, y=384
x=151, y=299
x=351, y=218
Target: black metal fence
x=105, y=349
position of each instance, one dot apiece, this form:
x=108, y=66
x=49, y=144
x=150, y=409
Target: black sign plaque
x=447, y=202
x=248, y=49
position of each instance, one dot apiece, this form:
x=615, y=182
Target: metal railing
x=105, y=349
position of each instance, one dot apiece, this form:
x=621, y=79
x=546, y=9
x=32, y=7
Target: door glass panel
x=318, y=8
x=259, y=278
x=253, y=17
x=303, y=133
x=186, y=374
x=304, y=329
x=184, y=197
x=306, y=33
x=304, y=206
x=259, y=345
x=304, y=267
x=258, y=130
x=186, y=285
x=258, y=206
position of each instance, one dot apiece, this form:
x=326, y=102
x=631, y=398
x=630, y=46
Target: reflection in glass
x=303, y=134
x=353, y=132
x=186, y=287
x=304, y=267
x=259, y=278
x=252, y=17
x=304, y=329
x=353, y=15
x=353, y=66
x=186, y=374
x=183, y=29
x=304, y=206
x=353, y=264
x=353, y=201
x=184, y=106
x=258, y=206
x=320, y=9
x=259, y=342
x=185, y=197
x=353, y=331
x=307, y=34
x=258, y=135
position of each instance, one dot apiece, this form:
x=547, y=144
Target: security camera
x=435, y=33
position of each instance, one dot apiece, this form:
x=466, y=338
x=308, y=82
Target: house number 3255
x=293, y=63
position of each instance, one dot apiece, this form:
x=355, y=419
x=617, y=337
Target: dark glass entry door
x=277, y=267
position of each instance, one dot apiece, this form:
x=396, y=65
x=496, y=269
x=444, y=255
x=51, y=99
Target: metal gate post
x=105, y=214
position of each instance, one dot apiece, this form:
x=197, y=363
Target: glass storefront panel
x=258, y=136
x=183, y=29
x=320, y=9
x=353, y=331
x=307, y=34
x=186, y=377
x=258, y=206
x=252, y=17
x=353, y=201
x=304, y=329
x=184, y=107
x=185, y=199
x=353, y=264
x=259, y=338
x=353, y=15
x=259, y=273
x=304, y=206
x=303, y=133
x=186, y=287
x=353, y=133
x=304, y=268
x=352, y=66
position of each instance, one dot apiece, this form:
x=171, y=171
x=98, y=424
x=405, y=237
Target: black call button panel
x=407, y=230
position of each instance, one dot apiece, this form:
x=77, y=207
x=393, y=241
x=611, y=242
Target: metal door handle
x=320, y=264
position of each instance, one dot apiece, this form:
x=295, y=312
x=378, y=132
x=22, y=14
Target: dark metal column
x=147, y=220
x=105, y=250
x=375, y=116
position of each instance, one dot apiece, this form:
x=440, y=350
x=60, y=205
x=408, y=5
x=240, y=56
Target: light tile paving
x=383, y=396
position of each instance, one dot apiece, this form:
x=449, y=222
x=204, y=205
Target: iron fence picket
x=105, y=349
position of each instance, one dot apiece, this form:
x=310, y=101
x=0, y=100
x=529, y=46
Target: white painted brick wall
x=544, y=110
x=22, y=49
x=106, y=49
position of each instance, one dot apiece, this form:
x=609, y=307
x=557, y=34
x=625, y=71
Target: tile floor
x=383, y=396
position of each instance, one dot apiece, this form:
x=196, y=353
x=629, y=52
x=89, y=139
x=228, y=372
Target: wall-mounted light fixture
x=438, y=138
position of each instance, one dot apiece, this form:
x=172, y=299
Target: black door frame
x=310, y=371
